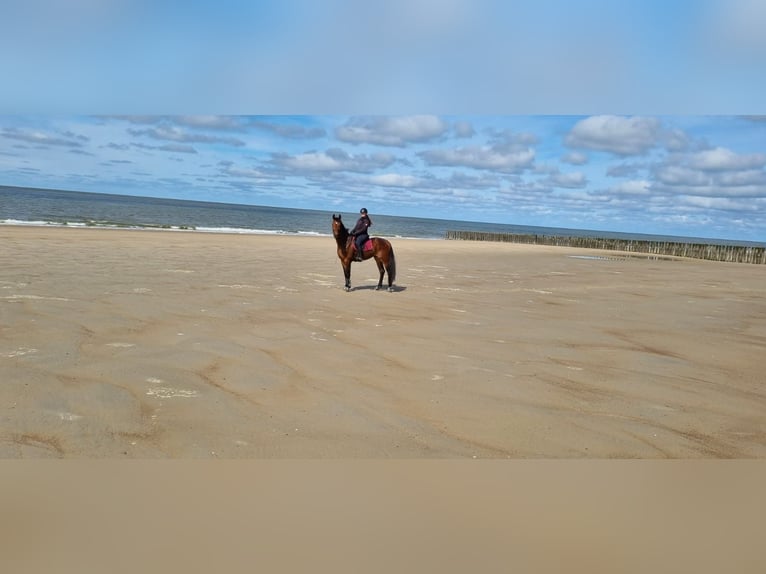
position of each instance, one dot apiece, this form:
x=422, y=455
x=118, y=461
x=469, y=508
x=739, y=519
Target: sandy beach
x=159, y=344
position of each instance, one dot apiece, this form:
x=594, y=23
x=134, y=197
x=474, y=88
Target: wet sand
x=158, y=344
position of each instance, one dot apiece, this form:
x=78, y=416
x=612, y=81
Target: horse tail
x=391, y=267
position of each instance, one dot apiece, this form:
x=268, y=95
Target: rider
x=359, y=232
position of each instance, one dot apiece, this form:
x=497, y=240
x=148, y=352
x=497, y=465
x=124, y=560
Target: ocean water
x=28, y=206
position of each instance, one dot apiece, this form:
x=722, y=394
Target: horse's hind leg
x=382, y=271
x=390, y=281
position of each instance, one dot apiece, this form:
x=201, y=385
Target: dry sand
x=158, y=344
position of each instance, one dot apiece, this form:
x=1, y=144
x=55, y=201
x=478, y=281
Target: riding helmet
x=363, y=210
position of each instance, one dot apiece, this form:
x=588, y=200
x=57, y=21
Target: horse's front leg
x=347, y=275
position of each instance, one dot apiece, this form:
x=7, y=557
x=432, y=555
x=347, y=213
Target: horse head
x=338, y=229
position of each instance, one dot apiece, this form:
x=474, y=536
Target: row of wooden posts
x=730, y=253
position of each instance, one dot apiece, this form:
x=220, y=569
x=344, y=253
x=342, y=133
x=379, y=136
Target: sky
x=638, y=116
x=702, y=176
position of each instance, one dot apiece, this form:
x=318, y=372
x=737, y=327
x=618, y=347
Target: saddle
x=366, y=247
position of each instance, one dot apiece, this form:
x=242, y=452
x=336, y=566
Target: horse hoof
x=390, y=289
x=347, y=288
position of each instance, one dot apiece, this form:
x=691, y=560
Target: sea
x=52, y=207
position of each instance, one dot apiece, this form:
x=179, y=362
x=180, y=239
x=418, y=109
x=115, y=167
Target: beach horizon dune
x=151, y=344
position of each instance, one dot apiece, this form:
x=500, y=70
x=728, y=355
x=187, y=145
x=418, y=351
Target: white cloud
x=456, y=184
x=174, y=147
x=211, y=122
x=745, y=177
x=227, y=168
x=569, y=180
x=725, y=159
x=464, y=129
x=615, y=134
x=683, y=219
x=680, y=175
x=710, y=189
x=392, y=131
x=676, y=140
x=631, y=188
x=508, y=139
x=624, y=170
x=39, y=137
x=465, y=181
x=178, y=148
x=717, y=172
x=291, y=131
x=526, y=188
x=175, y=134
x=721, y=203
x=395, y=180
x=575, y=158
x=332, y=160
x=481, y=157
x=314, y=161
x=134, y=119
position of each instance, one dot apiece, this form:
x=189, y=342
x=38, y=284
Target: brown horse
x=381, y=250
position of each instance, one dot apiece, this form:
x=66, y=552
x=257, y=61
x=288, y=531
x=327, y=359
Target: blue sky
x=683, y=175
x=625, y=116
